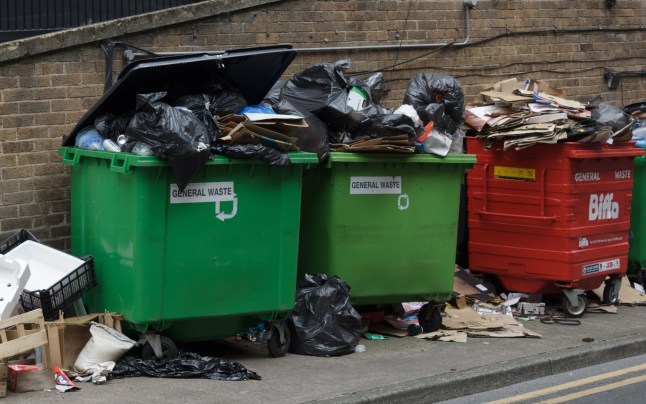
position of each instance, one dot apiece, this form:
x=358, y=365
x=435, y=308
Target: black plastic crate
x=13, y=241
x=63, y=293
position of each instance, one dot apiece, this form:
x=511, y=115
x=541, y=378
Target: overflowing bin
x=208, y=261
x=552, y=218
x=385, y=224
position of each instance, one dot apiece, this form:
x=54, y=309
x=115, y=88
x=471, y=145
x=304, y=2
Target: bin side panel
x=117, y=219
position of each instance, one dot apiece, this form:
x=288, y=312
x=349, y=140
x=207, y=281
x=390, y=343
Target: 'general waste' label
x=204, y=192
x=376, y=185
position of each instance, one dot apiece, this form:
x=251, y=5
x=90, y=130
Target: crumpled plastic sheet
x=269, y=155
x=185, y=365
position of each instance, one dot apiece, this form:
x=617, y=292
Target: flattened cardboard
x=68, y=337
x=597, y=308
x=445, y=335
x=239, y=129
x=491, y=96
x=283, y=124
x=487, y=325
x=390, y=144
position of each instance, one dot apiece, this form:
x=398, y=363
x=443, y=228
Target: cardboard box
x=24, y=378
x=531, y=308
x=240, y=129
x=67, y=337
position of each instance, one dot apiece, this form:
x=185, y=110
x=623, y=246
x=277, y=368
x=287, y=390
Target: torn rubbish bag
x=426, y=90
x=324, y=323
x=323, y=90
x=185, y=365
x=315, y=137
x=173, y=134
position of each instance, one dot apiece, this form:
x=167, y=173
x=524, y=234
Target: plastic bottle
x=110, y=145
x=372, y=336
x=142, y=149
x=89, y=139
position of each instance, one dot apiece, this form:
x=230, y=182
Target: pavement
x=395, y=370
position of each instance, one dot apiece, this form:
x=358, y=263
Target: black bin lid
x=252, y=72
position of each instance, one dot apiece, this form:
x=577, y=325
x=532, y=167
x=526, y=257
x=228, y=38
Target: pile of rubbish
x=317, y=110
x=637, y=114
x=523, y=113
x=47, y=341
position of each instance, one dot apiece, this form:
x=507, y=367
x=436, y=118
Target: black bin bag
x=426, y=90
x=323, y=322
x=173, y=134
x=314, y=137
x=322, y=89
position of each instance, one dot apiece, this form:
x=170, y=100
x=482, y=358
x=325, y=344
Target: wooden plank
x=107, y=320
x=55, y=349
x=3, y=379
x=13, y=334
x=28, y=318
x=21, y=330
x=24, y=344
x=3, y=336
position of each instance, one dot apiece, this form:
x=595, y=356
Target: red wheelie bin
x=551, y=218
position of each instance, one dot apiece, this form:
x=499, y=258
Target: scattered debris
x=445, y=335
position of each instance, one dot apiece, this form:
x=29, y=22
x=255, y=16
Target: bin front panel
x=550, y=212
x=237, y=250
x=225, y=247
x=389, y=229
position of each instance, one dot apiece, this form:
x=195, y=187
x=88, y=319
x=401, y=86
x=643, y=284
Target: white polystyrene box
x=13, y=278
x=48, y=265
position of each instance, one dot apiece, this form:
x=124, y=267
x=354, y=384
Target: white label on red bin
x=623, y=174
x=589, y=176
x=375, y=185
x=204, y=192
x=602, y=266
x=602, y=207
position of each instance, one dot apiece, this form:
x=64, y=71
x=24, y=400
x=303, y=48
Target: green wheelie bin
x=637, y=250
x=211, y=261
x=385, y=224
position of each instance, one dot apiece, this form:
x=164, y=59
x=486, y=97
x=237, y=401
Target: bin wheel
x=609, y=295
x=429, y=318
x=275, y=348
x=578, y=311
x=169, y=349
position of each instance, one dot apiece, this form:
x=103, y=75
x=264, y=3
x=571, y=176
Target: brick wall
x=47, y=83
